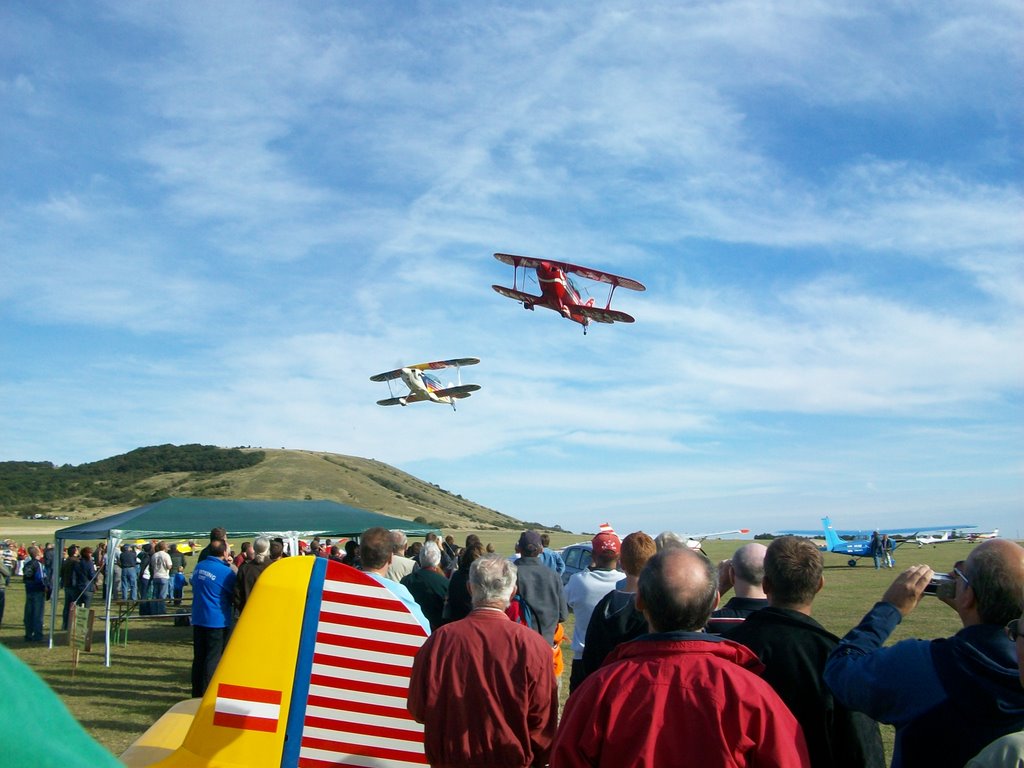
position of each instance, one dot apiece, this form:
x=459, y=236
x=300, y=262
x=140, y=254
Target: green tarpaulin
x=189, y=518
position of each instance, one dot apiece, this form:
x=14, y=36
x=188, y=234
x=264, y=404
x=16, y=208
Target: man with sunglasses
x=1007, y=750
x=949, y=697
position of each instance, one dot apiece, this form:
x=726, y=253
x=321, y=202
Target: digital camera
x=942, y=585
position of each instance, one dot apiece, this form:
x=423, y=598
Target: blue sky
x=220, y=219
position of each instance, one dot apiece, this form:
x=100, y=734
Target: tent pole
x=107, y=598
x=55, y=589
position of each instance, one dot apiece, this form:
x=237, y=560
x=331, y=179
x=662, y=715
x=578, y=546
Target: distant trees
x=112, y=480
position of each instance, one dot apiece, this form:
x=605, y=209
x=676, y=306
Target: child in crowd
x=178, y=584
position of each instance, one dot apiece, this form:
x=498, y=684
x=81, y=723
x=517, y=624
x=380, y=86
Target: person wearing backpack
x=36, y=584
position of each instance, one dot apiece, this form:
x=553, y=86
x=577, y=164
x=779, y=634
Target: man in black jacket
x=794, y=648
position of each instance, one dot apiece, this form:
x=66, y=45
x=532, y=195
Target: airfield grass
x=152, y=672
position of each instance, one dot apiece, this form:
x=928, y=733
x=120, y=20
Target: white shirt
x=582, y=593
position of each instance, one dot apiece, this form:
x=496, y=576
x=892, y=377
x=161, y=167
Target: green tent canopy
x=191, y=518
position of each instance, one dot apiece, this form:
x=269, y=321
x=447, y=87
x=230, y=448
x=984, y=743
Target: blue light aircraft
x=857, y=544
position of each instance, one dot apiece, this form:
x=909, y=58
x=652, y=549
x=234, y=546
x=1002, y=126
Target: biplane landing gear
x=851, y=562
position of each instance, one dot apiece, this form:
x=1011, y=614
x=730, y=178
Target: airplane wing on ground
x=702, y=536
x=868, y=531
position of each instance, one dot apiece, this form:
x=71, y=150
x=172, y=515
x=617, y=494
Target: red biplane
x=423, y=386
x=558, y=293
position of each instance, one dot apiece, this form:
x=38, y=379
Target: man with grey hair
x=678, y=692
x=401, y=566
x=743, y=573
x=483, y=686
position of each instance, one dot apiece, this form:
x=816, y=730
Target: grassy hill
x=150, y=474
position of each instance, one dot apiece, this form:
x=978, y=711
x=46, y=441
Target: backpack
x=520, y=612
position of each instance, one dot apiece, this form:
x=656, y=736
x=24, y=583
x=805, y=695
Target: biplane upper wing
x=387, y=375
x=587, y=272
x=605, y=277
x=459, y=392
x=457, y=362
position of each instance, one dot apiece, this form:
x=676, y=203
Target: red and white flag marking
x=251, y=709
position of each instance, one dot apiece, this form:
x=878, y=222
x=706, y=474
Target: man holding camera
x=948, y=697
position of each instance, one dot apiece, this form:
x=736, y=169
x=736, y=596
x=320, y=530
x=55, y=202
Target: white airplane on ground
x=929, y=539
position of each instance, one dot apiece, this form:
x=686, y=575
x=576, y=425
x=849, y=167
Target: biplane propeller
x=424, y=386
x=560, y=294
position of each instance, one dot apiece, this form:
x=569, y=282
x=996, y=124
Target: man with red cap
x=586, y=588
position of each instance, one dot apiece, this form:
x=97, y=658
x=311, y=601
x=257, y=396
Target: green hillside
x=150, y=474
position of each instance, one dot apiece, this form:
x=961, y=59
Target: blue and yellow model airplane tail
x=316, y=673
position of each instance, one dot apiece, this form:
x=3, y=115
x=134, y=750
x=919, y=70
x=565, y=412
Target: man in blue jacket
x=213, y=585
x=949, y=697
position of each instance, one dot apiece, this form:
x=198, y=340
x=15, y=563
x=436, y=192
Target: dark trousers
x=35, y=604
x=3, y=600
x=577, y=674
x=207, y=647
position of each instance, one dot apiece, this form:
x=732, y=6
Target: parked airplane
x=332, y=649
x=928, y=539
x=858, y=546
x=973, y=537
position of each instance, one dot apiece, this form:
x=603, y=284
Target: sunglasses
x=1013, y=630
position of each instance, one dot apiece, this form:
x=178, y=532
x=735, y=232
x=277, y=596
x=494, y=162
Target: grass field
x=117, y=704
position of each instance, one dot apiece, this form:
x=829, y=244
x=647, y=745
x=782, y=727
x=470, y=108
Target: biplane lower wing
x=600, y=315
x=459, y=392
x=598, y=275
x=521, y=296
x=410, y=398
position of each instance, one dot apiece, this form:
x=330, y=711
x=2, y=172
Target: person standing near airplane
x=876, y=549
x=967, y=684
x=213, y=583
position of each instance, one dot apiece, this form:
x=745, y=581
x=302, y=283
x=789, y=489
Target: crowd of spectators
x=660, y=669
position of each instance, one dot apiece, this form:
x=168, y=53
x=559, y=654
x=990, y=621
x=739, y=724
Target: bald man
x=743, y=573
x=949, y=697
x=678, y=693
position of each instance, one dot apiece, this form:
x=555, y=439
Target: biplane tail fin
x=316, y=673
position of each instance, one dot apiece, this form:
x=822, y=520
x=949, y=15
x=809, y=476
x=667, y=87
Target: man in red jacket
x=483, y=686
x=678, y=695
